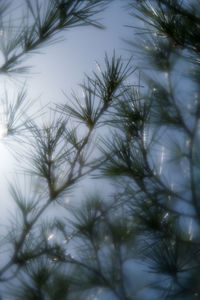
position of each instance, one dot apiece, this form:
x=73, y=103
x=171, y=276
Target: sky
x=60, y=68
x=62, y=65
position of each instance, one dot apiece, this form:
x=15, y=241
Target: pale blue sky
x=61, y=67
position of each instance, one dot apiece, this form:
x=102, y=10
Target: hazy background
x=61, y=67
